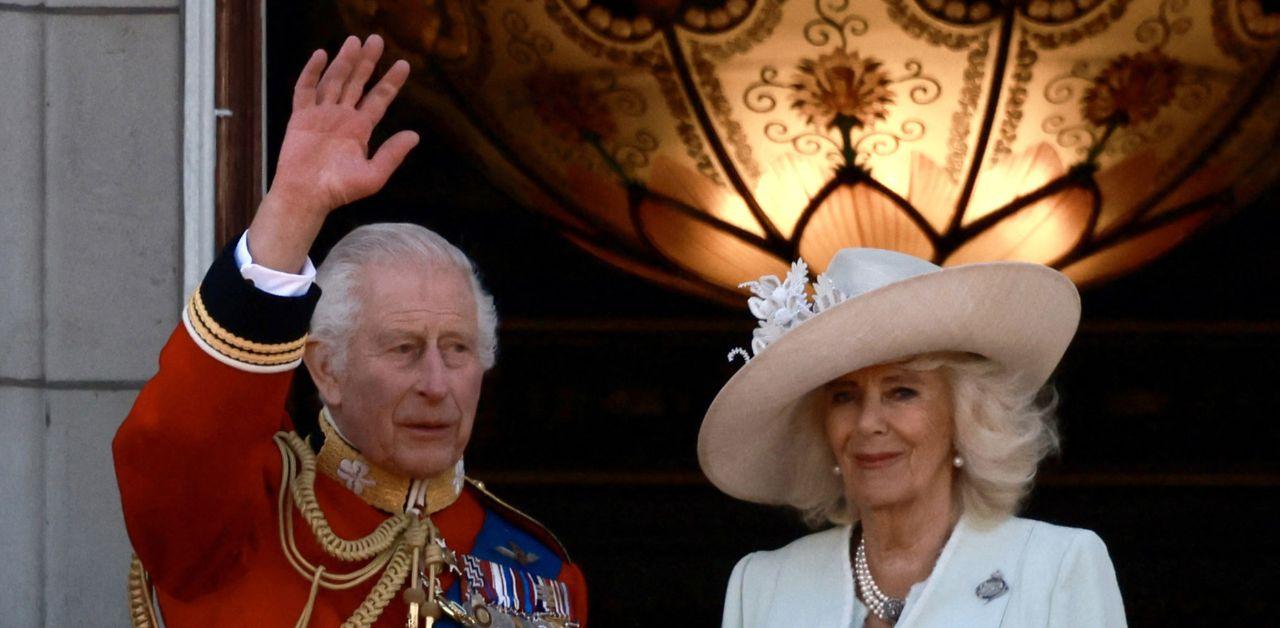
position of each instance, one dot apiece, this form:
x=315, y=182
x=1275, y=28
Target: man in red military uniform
x=367, y=519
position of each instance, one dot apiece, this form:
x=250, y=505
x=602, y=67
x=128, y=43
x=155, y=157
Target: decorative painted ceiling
x=703, y=143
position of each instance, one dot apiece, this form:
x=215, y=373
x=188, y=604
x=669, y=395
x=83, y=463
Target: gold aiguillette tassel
x=414, y=597
x=423, y=604
x=432, y=610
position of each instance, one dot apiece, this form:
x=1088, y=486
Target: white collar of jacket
x=947, y=598
x=388, y=491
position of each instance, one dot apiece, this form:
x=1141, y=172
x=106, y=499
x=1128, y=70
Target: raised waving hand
x=325, y=159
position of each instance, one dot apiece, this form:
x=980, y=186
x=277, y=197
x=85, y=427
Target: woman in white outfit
x=903, y=403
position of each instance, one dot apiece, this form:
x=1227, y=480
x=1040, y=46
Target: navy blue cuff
x=240, y=323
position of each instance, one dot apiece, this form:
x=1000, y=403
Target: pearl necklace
x=882, y=606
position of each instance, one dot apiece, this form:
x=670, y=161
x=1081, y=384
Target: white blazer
x=1055, y=576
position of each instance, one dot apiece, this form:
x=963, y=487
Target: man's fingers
x=335, y=77
x=392, y=153
x=366, y=62
x=375, y=103
x=304, y=91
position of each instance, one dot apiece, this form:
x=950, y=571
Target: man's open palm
x=324, y=160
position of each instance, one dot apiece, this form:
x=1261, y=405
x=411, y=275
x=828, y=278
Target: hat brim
x=1020, y=315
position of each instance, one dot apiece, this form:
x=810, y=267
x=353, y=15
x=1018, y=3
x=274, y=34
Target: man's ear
x=319, y=358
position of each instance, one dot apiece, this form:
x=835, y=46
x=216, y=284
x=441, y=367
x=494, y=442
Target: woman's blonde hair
x=1002, y=431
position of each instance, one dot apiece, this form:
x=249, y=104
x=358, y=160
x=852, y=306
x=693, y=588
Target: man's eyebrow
x=456, y=332
x=396, y=333
x=428, y=310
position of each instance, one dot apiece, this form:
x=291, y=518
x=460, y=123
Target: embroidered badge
x=459, y=475
x=992, y=587
x=517, y=553
x=356, y=475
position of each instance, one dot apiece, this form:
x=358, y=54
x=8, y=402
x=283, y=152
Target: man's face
x=408, y=393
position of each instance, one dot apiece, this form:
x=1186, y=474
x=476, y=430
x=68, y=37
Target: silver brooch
x=992, y=587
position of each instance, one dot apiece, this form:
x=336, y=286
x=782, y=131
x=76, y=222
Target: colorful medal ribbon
x=515, y=591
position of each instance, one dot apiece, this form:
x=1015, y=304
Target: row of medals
x=477, y=612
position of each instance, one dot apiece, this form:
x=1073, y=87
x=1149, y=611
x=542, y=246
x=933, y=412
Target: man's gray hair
x=1002, y=431
x=396, y=242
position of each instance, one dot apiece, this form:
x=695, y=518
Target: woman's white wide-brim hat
x=763, y=423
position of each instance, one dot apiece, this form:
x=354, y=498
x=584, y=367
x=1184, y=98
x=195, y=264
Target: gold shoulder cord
x=391, y=548
x=142, y=610
x=396, y=547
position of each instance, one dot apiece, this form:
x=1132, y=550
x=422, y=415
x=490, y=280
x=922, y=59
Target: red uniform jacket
x=199, y=476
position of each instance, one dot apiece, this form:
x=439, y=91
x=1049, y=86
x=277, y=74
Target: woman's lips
x=876, y=461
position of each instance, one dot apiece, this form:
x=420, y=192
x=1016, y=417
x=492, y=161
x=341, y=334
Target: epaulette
x=520, y=519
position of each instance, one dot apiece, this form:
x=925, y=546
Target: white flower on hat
x=783, y=305
x=826, y=294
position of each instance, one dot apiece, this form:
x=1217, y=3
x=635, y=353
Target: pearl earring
x=958, y=462
x=835, y=470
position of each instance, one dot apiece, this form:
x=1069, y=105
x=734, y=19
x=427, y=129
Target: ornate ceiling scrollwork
x=699, y=143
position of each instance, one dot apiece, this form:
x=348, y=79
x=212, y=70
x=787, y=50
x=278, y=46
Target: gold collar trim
x=382, y=489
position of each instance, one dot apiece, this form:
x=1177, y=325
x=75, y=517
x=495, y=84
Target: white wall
x=91, y=232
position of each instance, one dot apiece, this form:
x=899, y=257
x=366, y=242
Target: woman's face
x=890, y=429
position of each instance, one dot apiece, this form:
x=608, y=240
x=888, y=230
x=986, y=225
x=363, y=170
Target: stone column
x=90, y=284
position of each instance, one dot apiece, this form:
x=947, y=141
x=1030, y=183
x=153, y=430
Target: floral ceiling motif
x=700, y=143
x=841, y=89
x=1131, y=89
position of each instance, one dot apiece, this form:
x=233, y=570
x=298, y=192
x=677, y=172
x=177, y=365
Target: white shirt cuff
x=273, y=281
